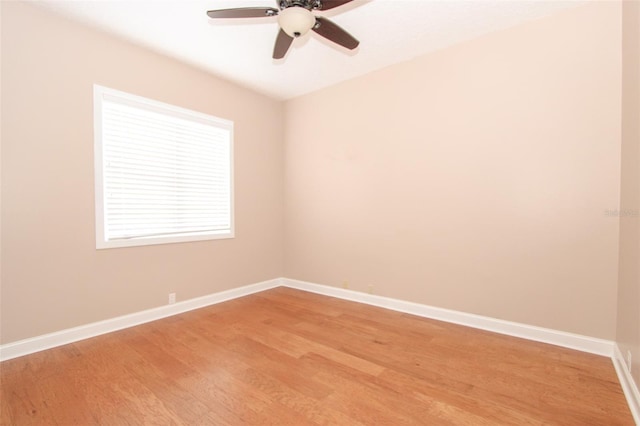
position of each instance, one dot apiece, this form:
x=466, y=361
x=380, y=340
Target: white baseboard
x=628, y=384
x=559, y=338
x=70, y=335
x=539, y=334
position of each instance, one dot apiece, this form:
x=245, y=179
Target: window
x=163, y=174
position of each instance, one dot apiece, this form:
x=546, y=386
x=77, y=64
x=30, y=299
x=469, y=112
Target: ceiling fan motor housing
x=307, y=4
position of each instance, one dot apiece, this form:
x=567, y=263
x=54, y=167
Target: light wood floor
x=287, y=357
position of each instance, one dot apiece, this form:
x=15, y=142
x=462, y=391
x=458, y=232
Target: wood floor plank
x=288, y=357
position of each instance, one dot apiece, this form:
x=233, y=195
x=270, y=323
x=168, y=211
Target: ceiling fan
x=295, y=19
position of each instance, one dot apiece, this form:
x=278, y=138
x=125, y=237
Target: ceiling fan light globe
x=296, y=21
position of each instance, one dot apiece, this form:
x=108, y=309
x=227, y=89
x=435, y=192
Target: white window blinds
x=165, y=172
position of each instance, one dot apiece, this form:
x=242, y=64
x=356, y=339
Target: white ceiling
x=390, y=31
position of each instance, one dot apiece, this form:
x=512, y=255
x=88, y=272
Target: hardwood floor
x=287, y=357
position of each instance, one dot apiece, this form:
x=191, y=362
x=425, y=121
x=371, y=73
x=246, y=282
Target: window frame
x=102, y=242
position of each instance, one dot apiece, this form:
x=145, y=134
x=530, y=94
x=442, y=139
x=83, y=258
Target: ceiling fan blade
x=243, y=12
x=331, y=31
x=283, y=41
x=330, y=4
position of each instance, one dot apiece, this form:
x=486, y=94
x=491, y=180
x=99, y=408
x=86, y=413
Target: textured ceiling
x=389, y=31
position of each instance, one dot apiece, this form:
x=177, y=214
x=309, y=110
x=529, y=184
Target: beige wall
x=628, y=332
x=0, y=171
x=52, y=276
x=476, y=178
